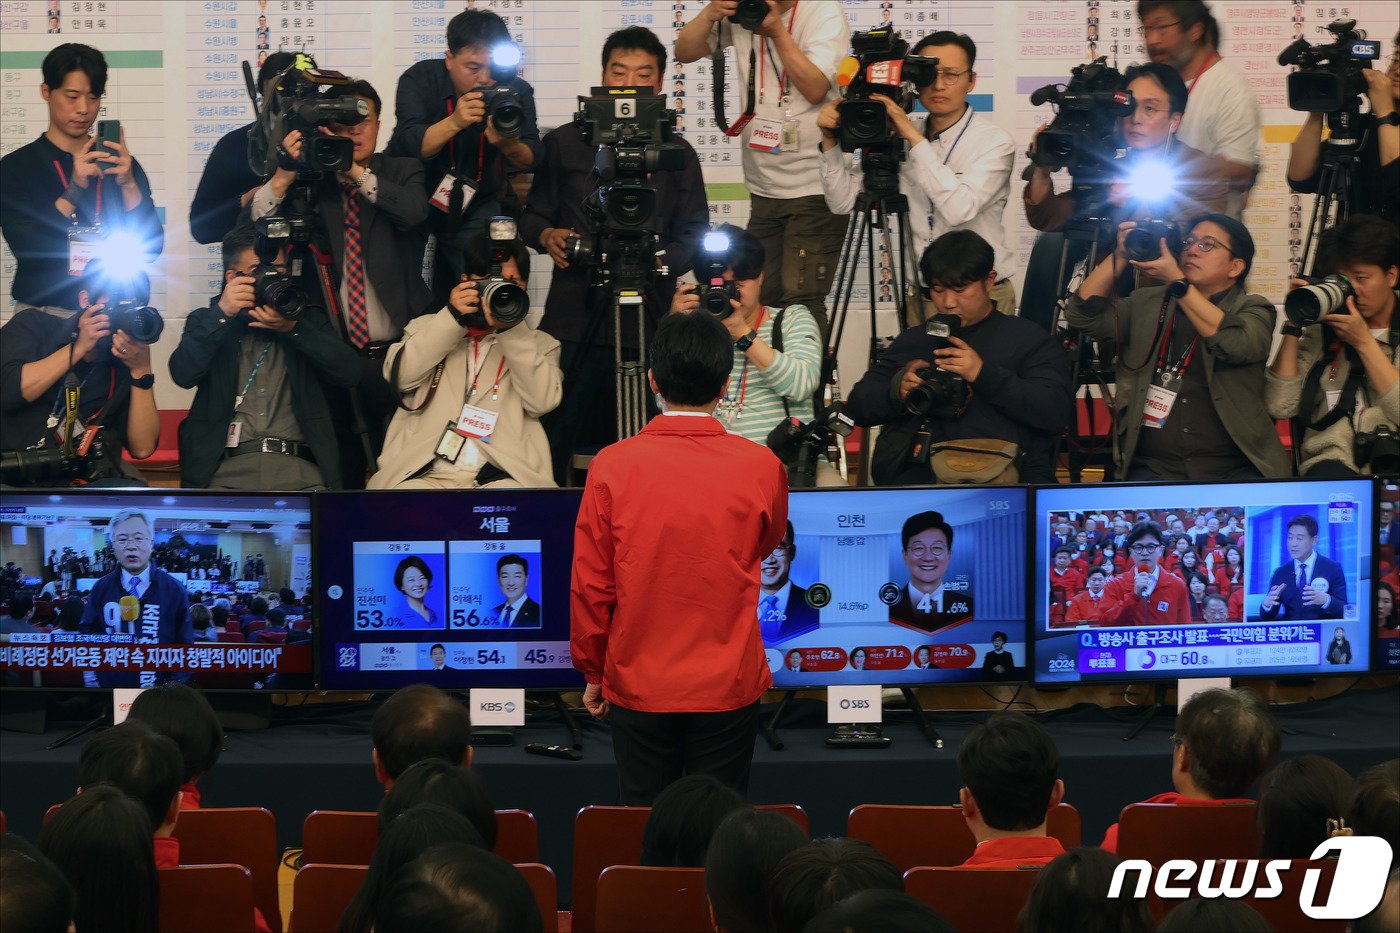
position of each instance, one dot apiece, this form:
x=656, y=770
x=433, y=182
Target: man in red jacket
x=1010, y=772
x=674, y=525
x=1146, y=593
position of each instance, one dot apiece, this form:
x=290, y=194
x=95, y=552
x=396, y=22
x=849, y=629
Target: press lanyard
x=1214, y=57
x=763, y=75
x=63, y=180
x=474, y=371
x=744, y=373
x=72, y=403
x=1185, y=360
x=452, y=144
x=238, y=402
x=970, y=115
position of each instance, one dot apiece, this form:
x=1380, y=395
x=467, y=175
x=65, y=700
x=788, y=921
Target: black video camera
x=1084, y=135
x=1328, y=294
x=1144, y=242
x=883, y=66
x=1379, y=449
x=940, y=395
x=798, y=445
x=1329, y=78
x=296, y=102
x=715, y=291
x=507, y=301
x=272, y=287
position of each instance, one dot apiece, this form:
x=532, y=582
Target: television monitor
x=1257, y=579
x=173, y=540
x=1385, y=653
x=414, y=586
x=851, y=601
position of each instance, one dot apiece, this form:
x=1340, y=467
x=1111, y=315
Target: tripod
x=1338, y=157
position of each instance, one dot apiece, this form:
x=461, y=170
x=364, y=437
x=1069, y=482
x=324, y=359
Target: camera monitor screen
x=139, y=587
x=1262, y=579
x=897, y=586
x=1386, y=651
x=459, y=590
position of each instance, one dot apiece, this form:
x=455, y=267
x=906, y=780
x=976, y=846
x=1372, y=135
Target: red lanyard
x=1185, y=360
x=1214, y=57
x=744, y=373
x=476, y=372
x=63, y=179
x=452, y=144
x=781, y=75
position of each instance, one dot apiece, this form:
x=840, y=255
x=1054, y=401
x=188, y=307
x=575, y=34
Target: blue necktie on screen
x=505, y=617
x=1302, y=576
x=135, y=589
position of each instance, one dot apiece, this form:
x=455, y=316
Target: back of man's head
x=34, y=895
x=879, y=911
x=21, y=604
x=1009, y=764
x=273, y=65
x=743, y=853
x=257, y=606
x=691, y=357
x=1375, y=806
x=144, y=764
x=684, y=819
x=810, y=879
x=182, y=713
x=1230, y=738
x=1070, y=895
x=447, y=784
x=417, y=722
x=459, y=888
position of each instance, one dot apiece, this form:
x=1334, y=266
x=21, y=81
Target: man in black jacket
x=260, y=418
x=1018, y=377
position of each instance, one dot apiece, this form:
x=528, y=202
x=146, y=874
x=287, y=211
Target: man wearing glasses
x=927, y=604
x=1145, y=593
x=958, y=173
x=1191, y=354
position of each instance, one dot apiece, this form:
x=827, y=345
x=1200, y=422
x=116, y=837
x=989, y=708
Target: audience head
x=433, y=780
x=412, y=832
x=1218, y=914
x=200, y=617
x=70, y=614
x=34, y=895
x=879, y=911
x=276, y=620
x=1071, y=895
x=1375, y=807
x=142, y=763
x=459, y=888
x=101, y=841
x=825, y=871
x=745, y=849
x=257, y=606
x=1298, y=800
x=417, y=722
x=1009, y=767
x=182, y=713
x=683, y=819
x=21, y=604
x=691, y=358
x=1225, y=739
x=1144, y=543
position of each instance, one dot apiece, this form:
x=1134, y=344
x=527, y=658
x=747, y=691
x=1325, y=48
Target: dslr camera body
x=1144, y=242
x=272, y=287
x=297, y=102
x=1084, y=136
x=715, y=291
x=750, y=14
x=1327, y=294
x=507, y=301
x=940, y=395
x=798, y=445
x=503, y=106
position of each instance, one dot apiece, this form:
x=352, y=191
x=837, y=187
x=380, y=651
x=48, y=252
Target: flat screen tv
x=119, y=577
x=458, y=589
x=1260, y=579
x=1385, y=653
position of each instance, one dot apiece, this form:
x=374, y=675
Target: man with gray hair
x=137, y=600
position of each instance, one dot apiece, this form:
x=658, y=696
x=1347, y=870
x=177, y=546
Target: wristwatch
x=1390, y=119
x=1291, y=330
x=1178, y=288
x=145, y=382
x=746, y=341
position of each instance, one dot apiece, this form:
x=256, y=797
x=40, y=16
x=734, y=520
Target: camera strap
x=399, y=393
x=777, y=344
x=1346, y=403
x=717, y=74
x=97, y=183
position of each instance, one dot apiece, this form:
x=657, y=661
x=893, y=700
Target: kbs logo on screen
x=1363, y=866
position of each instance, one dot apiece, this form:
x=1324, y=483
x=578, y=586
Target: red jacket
x=1110, y=838
x=190, y=796
x=1071, y=581
x=1084, y=608
x=1168, y=604
x=664, y=600
x=1013, y=851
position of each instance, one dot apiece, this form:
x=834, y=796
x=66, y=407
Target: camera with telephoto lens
x=296, y=102
x=880, y=63
x=940, y=394
x=503, y=107
x=750, y=14
x=1379, y=449
x=1326, y=294
x=141, y=322
x=715, y=291
x=1329, y=78
x=52, y=466
x=272, y=287
x=112, y=276
x=1084, y=136
x=799, y=445
x=1144, y=242
x=507, y=301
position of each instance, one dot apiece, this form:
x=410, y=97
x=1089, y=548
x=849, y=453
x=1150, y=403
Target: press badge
x=442, y=196
x=1161, y=397
x=235, y=431
x=83, y=246
x=790, y=137
x=476, y=422
x=767, y=135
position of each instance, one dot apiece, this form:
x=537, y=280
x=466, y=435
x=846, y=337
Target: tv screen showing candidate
x=132, y=588
x=1385, y=654
x=1259, y=579
x=459, y=590
x=897, y=586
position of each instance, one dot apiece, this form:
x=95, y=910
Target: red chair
x=348, y=837
x=913, y=836
x=208, y=898
x=320, y=895
x=3, y=824
x=634, y=899
x=254, y=627
x=543, y=885
x=233, y=637
x=244, y=836
x=518, y=837
x=1158, y=832
x=270, y=637
x=168, y=450
x=974, y=900
x=301, y=625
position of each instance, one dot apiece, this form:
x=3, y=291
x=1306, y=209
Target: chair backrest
x=212, y=898
x=913, y=837
x=1161, y=831
x=244, y=836
x=517, y=836
x=543, y=885
x=236, y=637
x=973, y=900
x=348, y=837
x=320, y=895
x=633, y=899
x=1285, y=913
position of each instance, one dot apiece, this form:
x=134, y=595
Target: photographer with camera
x=1190, y=369
x=471, y=120
x=789, y=51
x=632, y=57
x=958, y=173
x=968, y=379
x=1226, y=122
x=1376, y=182
x=260, y=419
x=1336, y=374
x=477, y=367
x=372, y=214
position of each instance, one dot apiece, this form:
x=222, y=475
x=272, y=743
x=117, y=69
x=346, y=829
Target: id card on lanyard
x=769, y=134
x=454, y=187
x=1165, y=388
x=84, y=241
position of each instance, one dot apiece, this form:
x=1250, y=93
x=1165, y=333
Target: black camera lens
x=328, y=153
x=277, y=291
x=750, y=14
x=504, y=110
x=1141, y=244
x=141, y=322
x=1306, y=305
x=508, y=302
x=716, y=296
x=863, y=123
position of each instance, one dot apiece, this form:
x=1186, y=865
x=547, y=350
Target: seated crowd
x=98, y=856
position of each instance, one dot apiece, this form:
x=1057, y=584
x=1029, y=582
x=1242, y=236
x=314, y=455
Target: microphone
x=1144, y=567
x=131, y=608
x=847, y=71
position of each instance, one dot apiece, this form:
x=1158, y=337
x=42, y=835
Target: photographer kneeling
x=777, y=351
x=1337, y=373
x=475, y=379
x=969, y=379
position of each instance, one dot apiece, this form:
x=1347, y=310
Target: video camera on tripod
x=1084, y=136
x=1329, y=78
x=297, y=102
x=879, y=63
